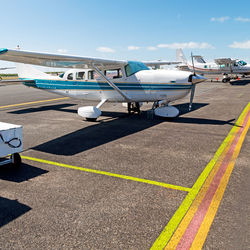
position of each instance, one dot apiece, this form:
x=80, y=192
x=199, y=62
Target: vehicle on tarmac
x=106, y=80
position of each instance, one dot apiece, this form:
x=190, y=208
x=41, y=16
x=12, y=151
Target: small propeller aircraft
x=223, y=66
x=106, y=80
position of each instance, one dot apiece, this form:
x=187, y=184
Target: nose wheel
x=134, y=107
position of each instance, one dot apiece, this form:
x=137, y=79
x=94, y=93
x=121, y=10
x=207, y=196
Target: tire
x=91, y=119
x=224, y=80
x=16, y=160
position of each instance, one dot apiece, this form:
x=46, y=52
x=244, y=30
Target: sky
x=127, y=29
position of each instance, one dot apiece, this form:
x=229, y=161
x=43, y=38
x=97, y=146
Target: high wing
x=159, y=63
x=57, y=61
x=221, y=61
x=65, y=61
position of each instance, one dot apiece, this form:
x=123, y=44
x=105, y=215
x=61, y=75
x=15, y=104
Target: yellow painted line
x=195, y=205
x=126, y=177
x=168, y=231
x=207, y=222
x=35, y=102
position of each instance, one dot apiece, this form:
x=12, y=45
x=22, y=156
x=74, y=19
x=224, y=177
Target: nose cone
x=198, y=79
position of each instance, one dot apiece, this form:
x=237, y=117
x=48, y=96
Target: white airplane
x=106, y=80
x=223, y=66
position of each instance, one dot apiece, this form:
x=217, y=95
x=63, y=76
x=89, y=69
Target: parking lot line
x=126, y=177
x=28, y=103
x=215, y=178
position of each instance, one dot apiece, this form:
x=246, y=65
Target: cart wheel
x=16, y=160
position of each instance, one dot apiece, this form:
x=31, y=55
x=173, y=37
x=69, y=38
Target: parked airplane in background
x=105, y=80
x=223, y=66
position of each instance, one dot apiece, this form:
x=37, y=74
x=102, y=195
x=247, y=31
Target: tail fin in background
x=180, y=57
x=27, y=71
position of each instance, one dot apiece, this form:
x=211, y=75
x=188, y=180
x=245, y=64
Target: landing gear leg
x=137, y=108
x=129, y=108
x=134, y=108
x=155, y=105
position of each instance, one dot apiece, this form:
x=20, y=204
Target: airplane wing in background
x=221, y=61
x=57, y=61
x=159, y=63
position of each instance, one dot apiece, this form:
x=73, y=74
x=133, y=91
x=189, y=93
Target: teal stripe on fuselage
x=84, y=85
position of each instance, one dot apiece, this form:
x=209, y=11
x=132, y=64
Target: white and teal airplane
x=223, y=66
x=106, y=80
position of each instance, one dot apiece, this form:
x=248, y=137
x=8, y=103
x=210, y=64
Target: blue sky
x=128, y=29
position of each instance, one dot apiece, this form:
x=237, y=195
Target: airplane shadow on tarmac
x=241, y=82
x=103, y=132
x=10, y=210
x=57, y=107
x=24, y=173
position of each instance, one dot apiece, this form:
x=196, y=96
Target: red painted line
x=193, y=227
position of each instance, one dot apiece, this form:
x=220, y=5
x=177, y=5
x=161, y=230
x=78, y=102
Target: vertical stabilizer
x=27, y=71
x=180, y=57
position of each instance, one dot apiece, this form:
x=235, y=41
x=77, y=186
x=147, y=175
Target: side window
x=61, y=75
x=80, y=75
x=70, y=76
x=113, y=73
x=92, y=75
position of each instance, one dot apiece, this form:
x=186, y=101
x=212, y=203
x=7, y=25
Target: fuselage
x=141, y=86
x=213, y=68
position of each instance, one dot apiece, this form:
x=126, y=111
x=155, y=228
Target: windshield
x=242, y=63
x=133, y=67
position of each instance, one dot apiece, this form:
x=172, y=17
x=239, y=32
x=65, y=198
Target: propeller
x=193, y=85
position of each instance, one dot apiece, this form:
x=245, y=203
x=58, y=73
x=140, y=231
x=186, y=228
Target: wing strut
x=128, y=99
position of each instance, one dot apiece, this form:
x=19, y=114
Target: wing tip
x=2, y=50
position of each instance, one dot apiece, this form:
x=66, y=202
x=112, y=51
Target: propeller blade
x=191, y=96
x=193, y=63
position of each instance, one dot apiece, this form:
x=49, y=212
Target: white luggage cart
x=10, y=144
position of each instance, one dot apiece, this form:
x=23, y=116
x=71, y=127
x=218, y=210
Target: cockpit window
x=242, y=63
x=133, y=67
x=113, y=73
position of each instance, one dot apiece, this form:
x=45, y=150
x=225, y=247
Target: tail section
x=180, y=57
x=27, y=71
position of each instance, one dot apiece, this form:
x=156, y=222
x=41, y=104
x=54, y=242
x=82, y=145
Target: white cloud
x=240, y=45
x=105, y=50
x=62, y=50
x=188, y=45
x=242, y=19
x=133, y=47
x=220, y=19
x=151, y=48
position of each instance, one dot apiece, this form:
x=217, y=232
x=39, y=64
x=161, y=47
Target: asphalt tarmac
x=134, y=171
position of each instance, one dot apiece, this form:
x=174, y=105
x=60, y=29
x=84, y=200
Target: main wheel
x=16, y=160
x=91, y=119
